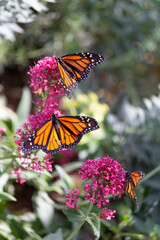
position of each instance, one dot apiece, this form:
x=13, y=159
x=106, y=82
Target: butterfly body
x=58, y=133
x=74, y=68
x=132, y=179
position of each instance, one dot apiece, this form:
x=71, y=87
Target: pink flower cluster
x=107, y=214
x=45, y=81
x=72, y=198
x=106, y=177
x=45, y=77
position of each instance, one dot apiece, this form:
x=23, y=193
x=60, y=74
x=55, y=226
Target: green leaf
x=7, y=149
x=7, y=196
x=17, y=229
x=57, y=235
x=5, y=230
x=3, y=180
x=95, y=225
x=45, y=209
x=66, y=179
x=69, y=167
x=24, y=107
x=73, y=215
x=56, y=187
x=32, y=233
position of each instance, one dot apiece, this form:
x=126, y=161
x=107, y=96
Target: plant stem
x=152, y=173
x=81, y=223
x=75, y=230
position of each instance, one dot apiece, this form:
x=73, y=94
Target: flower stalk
x=81, y=223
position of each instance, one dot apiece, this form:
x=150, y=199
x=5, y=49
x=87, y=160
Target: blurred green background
x=123, y=94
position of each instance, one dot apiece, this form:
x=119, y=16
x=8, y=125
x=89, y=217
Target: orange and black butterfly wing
x=72, y=128
x=45, y=138
x=68, y=79
x=130, y=188
x=80, y=64
x=132, y=180
x=137, y=177
x=74, y=68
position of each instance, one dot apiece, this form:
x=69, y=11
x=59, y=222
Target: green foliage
x=95, y=225
x=99, y=142
x=127, y=33
x=138, y=139
x=47, y=219
x=58, y=235
x=138, y=131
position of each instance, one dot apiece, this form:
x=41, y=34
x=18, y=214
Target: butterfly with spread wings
x=132, y=179
x=74, y=68
x=58, y=133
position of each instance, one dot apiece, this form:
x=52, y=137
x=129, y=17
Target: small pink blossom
x=18, y=173
x=45, y=77
x=2, y=129
x=107, y=214
x=106, y=178
x=48, y=163
x=72, y=198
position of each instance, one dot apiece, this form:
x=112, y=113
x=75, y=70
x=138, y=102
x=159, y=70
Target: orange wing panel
x=53, y=141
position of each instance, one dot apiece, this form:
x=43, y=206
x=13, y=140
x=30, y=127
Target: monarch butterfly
x=58, y=133
x=132, y=179
x=74, y=68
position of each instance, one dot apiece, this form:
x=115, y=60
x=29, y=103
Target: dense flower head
x=72, y=198
x=105, y=176
x=45, y=81
x=44, y=76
